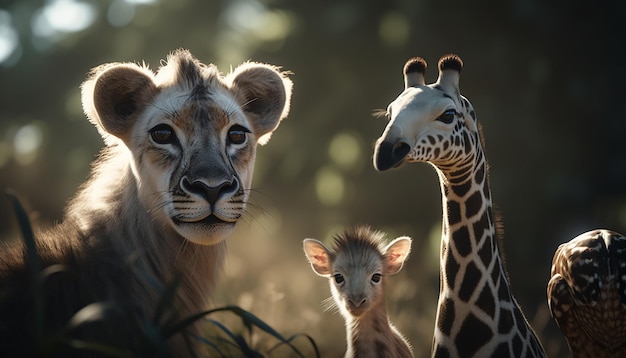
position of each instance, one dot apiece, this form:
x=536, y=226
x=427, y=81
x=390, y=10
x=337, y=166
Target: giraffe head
x=356, y=266
x=428, y=123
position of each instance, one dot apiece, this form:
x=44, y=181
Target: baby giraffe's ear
x=396, y=253
x=115, y=95
x=264, y=93
x=319, y=256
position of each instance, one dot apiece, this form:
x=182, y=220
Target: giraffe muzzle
x=390, y=154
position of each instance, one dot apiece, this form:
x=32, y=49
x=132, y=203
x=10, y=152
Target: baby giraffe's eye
x=339, y=278
x=447, y=116
x=376, y=277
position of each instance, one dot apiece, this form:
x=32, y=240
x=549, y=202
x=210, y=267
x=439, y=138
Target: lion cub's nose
x=211, y=193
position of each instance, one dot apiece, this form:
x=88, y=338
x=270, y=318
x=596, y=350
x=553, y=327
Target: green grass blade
x=292, y=338
x=167, y=299
x=251, y=320
x=102, y=349
x=32, y=259
x=52, y=270
x=239, y=342
x=93, y=312
x=152, y=340
x=27, y=232
x=172, y=329
x=212, y=345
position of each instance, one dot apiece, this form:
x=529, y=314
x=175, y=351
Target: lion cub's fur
x=163, y=196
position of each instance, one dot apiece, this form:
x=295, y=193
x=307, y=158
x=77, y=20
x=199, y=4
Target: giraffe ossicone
x=356, y=268
x=477, y=314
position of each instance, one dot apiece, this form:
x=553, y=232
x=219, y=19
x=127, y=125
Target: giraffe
x=587, y=293
x=356, y=269
x=477, y=315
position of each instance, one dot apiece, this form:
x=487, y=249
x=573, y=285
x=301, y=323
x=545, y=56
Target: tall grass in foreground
x=150, y=333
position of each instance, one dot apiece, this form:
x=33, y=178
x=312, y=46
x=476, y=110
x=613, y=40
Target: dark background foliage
x=545, y=78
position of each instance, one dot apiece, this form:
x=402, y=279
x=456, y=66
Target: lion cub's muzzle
x=209, y=201
x=211, y=192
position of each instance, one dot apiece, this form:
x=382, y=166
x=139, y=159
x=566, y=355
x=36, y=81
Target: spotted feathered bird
x=587, y=293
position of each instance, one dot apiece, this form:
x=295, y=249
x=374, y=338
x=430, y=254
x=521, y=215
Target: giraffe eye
x=376, y=277
x=339, y=278
x=447, y=116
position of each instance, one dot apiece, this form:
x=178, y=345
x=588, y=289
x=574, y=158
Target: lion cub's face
x=194, y=155
x=192, y=136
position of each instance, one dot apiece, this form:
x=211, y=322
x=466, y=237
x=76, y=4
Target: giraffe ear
x=396, y=253
x=450, y=67
x=319, y=257
x=414, y=70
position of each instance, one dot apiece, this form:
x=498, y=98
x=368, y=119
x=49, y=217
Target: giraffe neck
x=371, y=335
x=470, y=258
x=475, y=296
x=477, y=315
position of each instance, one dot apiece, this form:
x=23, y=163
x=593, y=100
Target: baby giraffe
x=356, y=269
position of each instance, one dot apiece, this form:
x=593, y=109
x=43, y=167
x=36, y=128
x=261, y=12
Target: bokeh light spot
x=274, y=26
x=73, y=105
x=329, y=186
x=27, y=142
x=245, y=14
x=345, y=150
x=8, y=36
x=5, y=153
x=63, y=16
x=120, y=13
x=394, y=29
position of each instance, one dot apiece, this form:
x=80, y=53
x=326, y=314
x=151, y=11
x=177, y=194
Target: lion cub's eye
x=237, y=134
x=162, y=134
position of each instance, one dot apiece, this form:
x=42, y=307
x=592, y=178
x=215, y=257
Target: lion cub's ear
x=264, y=93
x=115, y=95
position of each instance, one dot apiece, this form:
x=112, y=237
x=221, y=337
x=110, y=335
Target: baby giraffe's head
x=357, y=266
